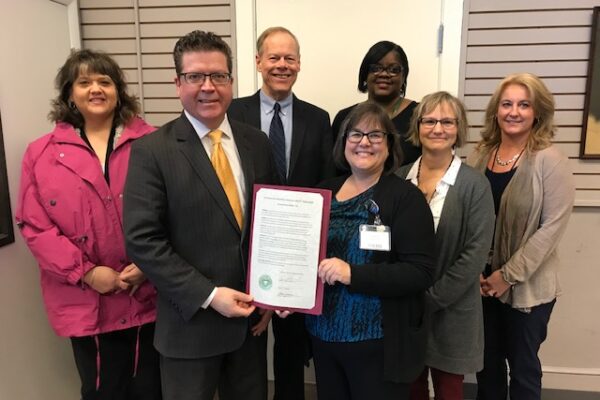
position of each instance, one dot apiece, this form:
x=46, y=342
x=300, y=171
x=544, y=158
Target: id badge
x=375, y=237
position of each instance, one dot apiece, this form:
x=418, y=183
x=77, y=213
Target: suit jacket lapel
x=245, y=151
x=190, y=145
x=252, y=116
x=298, y=133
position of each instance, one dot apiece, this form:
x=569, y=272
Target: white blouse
x=436, y=204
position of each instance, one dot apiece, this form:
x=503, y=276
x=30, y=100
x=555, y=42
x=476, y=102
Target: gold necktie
x=221, y=165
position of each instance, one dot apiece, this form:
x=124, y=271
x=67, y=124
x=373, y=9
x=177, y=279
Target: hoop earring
x=73, y=107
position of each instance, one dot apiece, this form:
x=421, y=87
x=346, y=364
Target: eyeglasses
x=356, y=136
x=446, y=123
x=198, y=78
x=392, y=70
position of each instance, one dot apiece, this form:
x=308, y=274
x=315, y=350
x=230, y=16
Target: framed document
x=590, y=133
x=288, y=239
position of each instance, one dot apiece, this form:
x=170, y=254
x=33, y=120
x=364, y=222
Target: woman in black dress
x=383, y=75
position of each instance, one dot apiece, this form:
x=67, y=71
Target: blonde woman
x=463, y=212
x=533, y=195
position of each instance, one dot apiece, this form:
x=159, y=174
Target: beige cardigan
x=526, y=241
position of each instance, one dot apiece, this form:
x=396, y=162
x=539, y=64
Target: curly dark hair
x=90, y=61
x=200, y=41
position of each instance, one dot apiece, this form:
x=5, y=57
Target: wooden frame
x=7, y=234
x=590, y=133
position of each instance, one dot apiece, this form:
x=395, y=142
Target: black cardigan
x=401, y=276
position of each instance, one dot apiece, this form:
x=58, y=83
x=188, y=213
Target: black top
x=498, y=182
x=402, y=124
x=109, y=148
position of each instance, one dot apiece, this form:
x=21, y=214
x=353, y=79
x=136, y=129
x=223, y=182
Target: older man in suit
x=302, y=142
x=186, y=217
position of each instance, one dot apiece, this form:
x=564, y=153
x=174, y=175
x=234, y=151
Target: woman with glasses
x=533, y=193
x=461, y=202
x=70, y=214
x=383, y=75
x=369, y=341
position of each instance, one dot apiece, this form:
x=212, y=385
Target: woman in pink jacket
x=70, y=214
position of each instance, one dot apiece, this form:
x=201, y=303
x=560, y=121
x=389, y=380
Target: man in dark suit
x=303, y=158
x=186, y=216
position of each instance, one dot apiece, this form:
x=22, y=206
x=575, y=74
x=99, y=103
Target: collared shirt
x=436, y=204
x=230, y=149
x=286, y=114
x=228, y=144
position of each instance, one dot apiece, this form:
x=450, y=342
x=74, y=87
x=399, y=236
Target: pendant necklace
x=396, y=107
x=503, y=163
x=426, y=194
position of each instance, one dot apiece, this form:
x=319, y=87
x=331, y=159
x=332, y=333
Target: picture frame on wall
x=7, y=234
x=590, y=133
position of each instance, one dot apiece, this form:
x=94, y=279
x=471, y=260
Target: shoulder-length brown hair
x=97, y=62
x=542, y=103
x=373, y=113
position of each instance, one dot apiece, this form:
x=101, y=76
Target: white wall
x=334, y=36
x=34, y=42
x=571, y=356
x=35, y=364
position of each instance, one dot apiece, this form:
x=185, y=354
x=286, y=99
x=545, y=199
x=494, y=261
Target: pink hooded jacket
x=71, y=220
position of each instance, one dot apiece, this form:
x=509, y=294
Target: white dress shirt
x=436, y=204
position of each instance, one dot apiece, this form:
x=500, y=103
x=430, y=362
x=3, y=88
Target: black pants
x=289, y=354
x=353, y=371
x=119, y=378
x=516, y=337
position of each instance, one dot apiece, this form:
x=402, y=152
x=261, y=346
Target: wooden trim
x=593, y=82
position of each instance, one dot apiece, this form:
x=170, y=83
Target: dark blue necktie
x=278, y=142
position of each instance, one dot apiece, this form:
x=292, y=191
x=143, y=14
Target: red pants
x=446, y=386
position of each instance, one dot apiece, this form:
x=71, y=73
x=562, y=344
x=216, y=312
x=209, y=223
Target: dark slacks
x=241, y=374
x=289, y=353
x=516, y=337
x=446, y=386
x=350, y=371
x=119, y=376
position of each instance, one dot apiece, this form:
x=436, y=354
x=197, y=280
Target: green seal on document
x=265, y=282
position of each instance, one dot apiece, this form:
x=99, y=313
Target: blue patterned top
x=347, y=317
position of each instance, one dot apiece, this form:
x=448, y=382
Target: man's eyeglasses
x=446, y=123
x=392, y=70
x=198, y=78
x=374, y=137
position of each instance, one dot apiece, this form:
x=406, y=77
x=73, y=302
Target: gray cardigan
x=463, y=240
